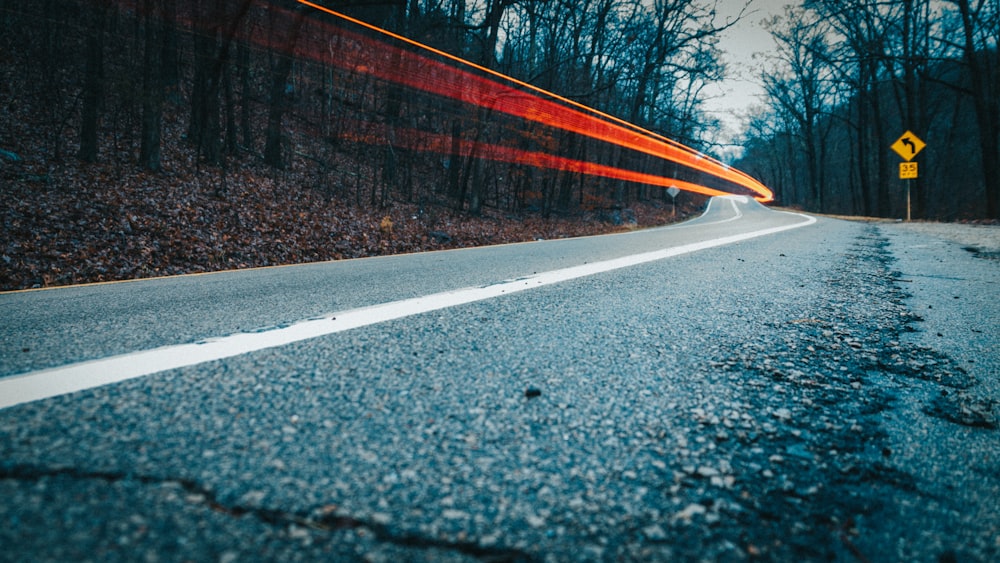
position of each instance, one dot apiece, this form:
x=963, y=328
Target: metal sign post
x=672, y=191
x=907, y=146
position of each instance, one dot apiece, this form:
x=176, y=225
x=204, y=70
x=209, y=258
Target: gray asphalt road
x=772, y=398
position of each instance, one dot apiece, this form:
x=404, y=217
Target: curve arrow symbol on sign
x=908, y=146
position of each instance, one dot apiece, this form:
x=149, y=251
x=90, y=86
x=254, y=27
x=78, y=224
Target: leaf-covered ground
x=76, y=223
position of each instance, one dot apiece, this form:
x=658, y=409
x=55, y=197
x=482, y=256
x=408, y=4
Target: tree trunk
x=494, y=14
x=882, y=153
x=864, y=148
x=984, y=72
x=227, y=88
x=92, y=86
x=152, y=91
x=169, y=58
x=246, y=125
x=279, y=97
x=455, y=160
x=214, y=36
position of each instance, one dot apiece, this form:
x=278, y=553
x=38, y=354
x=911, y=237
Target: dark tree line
x=227, y=81
x=848, y=79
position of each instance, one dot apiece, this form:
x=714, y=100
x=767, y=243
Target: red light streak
x=436, y=143
x=519, y=99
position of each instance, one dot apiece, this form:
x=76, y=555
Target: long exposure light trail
x=435, y=143
x=359, y=53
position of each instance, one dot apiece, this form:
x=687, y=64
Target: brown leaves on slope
x=90, y=224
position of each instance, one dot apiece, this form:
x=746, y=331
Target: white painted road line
x=732, y=200
x=43, y=384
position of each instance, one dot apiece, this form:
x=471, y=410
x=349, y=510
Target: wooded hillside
x=148, y=137
x=850, y=78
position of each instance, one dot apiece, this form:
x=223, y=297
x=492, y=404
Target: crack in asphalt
x=315, y=520
x=788, y=456
x=819, y=380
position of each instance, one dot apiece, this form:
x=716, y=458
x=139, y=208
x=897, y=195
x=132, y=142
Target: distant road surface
x=752, y=383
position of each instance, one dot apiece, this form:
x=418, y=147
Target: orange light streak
x=514, y=97
x=412, y=139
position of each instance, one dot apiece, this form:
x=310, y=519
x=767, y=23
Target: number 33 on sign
x=907, y=170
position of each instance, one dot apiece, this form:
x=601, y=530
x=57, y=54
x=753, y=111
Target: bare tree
x=152, y=87
x=214, y=32
x=801, y=86
x=93, y=84
x=981, y=28
x=280, y=69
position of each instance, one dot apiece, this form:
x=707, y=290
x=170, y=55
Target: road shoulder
x=944, y=436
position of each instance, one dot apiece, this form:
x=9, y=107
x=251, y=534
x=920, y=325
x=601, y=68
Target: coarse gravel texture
x=748, y=402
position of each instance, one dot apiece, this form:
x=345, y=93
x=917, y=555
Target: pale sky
x=732, y=99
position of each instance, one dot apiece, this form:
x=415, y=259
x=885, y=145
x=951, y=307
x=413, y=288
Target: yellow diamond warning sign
x=908, y=146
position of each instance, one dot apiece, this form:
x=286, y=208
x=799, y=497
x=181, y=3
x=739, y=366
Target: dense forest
x=151, y=137
x=148, y=137
x=849, y=78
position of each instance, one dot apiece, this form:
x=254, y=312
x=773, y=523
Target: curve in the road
x=80, y=376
